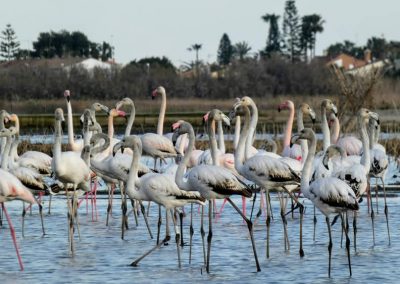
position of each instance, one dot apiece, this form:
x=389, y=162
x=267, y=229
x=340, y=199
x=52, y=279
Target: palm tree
x=274, y=38
x=196, y=47
x=315, y=25
x=241, y=50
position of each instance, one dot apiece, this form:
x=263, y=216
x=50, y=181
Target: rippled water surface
x=101, y=256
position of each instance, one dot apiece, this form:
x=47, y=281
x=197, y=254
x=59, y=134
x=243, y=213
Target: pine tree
x=225, y=50
x=291, y=31
x=9, y=46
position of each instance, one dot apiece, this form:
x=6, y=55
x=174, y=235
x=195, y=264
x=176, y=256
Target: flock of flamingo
x=334, y=179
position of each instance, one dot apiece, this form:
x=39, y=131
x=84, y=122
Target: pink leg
x=222, y=206
x=12, y=231
x=262, y=203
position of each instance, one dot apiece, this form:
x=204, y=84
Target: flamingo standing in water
x=330, y=195
x=157, y=188
x=267, y=172
x=11, y=188
x=213, y=182
x=69, y=168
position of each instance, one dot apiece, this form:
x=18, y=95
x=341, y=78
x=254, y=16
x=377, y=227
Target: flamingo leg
x=209, y=237
x=284, y=221
x=135, y=213
x=347, y=242
x=250, y=227
x=315, y=224
x=124, y=210
x=191, y=233
x=181, y=227
x=75, y=210
x=12, y=231
x=49, y=210
x=145, y=218
x=109, y=205
x=159, y=224
x=355, y=230
x=203, y=233
x=41, y=214
x=372, y=220
x=386, y=209
x=177, y=237
x=268, y=220
x=328, y=223
x=376, y=196
x=158, y=245
x=23, y=219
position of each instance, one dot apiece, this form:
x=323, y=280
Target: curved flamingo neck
x=6, y=153
x=252, y=128
x=365, y=158
x=221, y=140
x=110, y=130
x=237, y=132
x=300, y=126
x=213, y=142
x=70, y=122
x=335, y=131
x=289, y=126
x=57, y=144
x=163, y=107
x=325, y=129
x=184, y=185
x=308, y=166
x=132, y=115
x=240, y=150
x=133, y=179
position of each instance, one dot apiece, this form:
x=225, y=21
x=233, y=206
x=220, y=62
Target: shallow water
x=102, y=256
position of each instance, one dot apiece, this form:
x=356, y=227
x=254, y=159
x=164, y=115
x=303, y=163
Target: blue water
x=101, y=256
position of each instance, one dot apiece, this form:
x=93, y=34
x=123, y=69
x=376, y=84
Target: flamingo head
x=218, y=115
x=124, y=102
x=180, y=127
x=205, y=117
x=59, y=114
x=332, y=119
x=366, y=115
x=329, y=105
x=67, y=95
x=306, y=133
x=158, y=91
x=100, y=107
x=5, y=116
x=286, y=105
x=307, y=110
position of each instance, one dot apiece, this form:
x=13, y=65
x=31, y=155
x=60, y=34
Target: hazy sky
x=168, y=27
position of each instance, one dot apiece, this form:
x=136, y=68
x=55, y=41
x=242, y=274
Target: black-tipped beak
x=313, y=121
x=279, y=109
x=122, y=149
x=153, y=97
x=63, y=124
x=291, y=144
x=68, y=98
x=326, y=166
x=378, y=122
x=175, y=137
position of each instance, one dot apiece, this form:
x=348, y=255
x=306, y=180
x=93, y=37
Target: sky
x=146, y=28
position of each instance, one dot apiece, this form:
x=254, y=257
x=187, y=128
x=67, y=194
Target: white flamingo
x=213, y=182
x=69, y=168
x=330, y=195
x=157, y=188
x=266, y=172
x=12, y=189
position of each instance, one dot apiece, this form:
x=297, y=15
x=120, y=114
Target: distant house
x=91, y=64
x=353, y=65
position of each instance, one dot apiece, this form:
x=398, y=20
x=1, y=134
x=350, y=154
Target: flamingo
x=379, y=164
x=330, y=195
x=351, y=144
x=292, y=152
x=12, y=189
x=267, y=173
x=69, y=168
x=4, y=117
x=355, y=169
x=213, y=182
x=157, y=188
x=77, y=145
x=30, y=178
